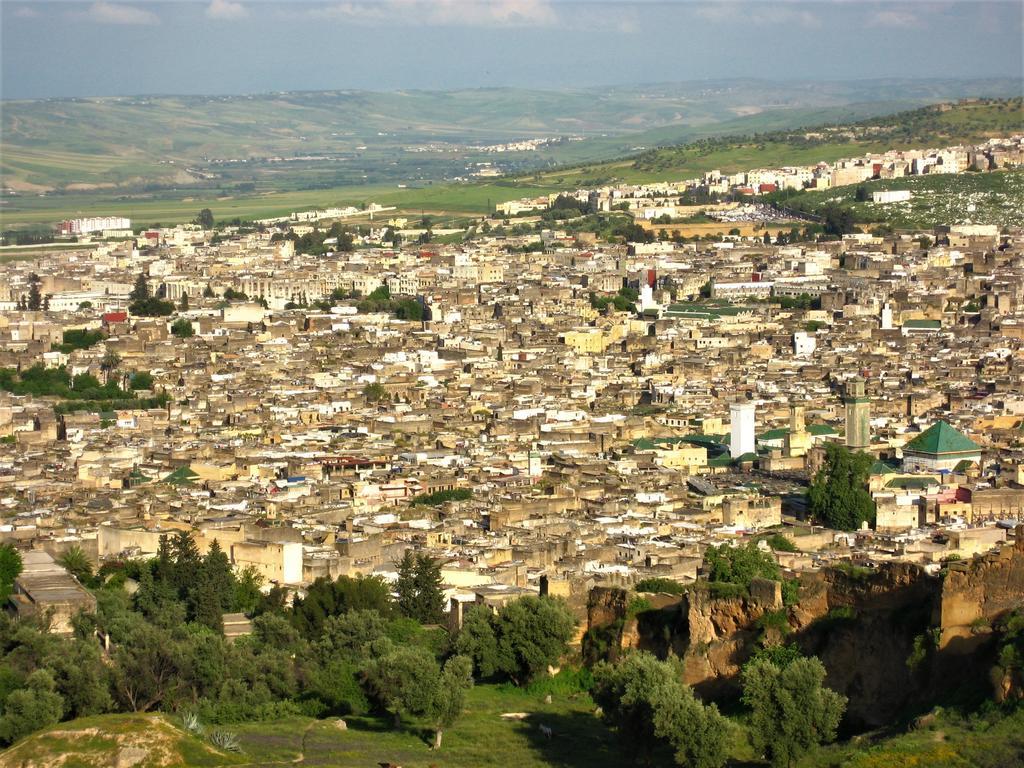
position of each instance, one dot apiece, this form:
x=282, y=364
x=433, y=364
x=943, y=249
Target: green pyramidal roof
x=941, y=438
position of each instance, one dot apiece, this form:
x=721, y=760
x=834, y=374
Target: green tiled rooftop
x=941, y=438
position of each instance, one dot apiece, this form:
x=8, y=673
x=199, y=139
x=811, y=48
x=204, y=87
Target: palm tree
x=110, y=362
x=77, y=563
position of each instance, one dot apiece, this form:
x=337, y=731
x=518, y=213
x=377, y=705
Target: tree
x=10, y=569
x=216, y=570
x=420, y=588
x=205, y=218
x=247, y=590
x=186, y=557
x=408, y=682
x=183, y=303
x=140, y=292
x=456, y=680
x=405, y=681
x=147, y=665
x=862, y=195
x=182, y=328
x=208, y=292
x=374, y=392
x=35, y=299
x=326, y=598
x=521, y=641
x=151, y=307
x=140, y=380
x=77, y=563
x=109, y=363
x=205, y=605
x=838, y=496
x=82, y=677
x=645, y=700
x=27, y=709
x=738, y=565
x=838, y=220
x=792, y=711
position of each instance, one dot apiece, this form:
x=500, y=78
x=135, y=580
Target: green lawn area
x=480, y=737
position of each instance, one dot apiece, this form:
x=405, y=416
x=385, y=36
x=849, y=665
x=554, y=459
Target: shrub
x=667, y=586
x=225, y=740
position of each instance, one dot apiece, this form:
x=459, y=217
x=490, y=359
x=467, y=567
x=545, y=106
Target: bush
x=666, y=586
x=182, y=328
x=781, y=543
x=438, y=498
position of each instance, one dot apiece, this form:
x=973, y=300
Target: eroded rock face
x=979, y=591
x=867, y=627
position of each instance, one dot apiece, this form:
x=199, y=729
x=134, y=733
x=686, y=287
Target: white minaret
x=887, y=317
x=534, y=467
x=741, y=438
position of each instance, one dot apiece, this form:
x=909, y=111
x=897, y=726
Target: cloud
x=759, y=14
x=225, y=9
x=893, y=17
x=444, y=13
x=118, y=13
x=26, y=12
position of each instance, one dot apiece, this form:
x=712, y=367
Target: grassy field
x=151, y=209
x=483, y=738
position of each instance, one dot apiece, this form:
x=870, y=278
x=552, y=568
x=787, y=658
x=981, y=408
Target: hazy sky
x=228, y=46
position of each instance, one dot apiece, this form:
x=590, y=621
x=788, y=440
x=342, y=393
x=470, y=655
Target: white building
x=742, y=438
x=890, y=196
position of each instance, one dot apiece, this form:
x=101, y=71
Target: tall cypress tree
x=216, y=570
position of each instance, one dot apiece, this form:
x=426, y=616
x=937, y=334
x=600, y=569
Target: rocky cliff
x=894, y=639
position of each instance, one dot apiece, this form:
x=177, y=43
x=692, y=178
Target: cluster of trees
x=655, y=713
x=78, y=338
x=144, y=304
x=314, y=242
x=803, y=301
x=437, y=498
x=564, y=207
x=730, y=569
x=623, y=301
x=34, y=300
x=348, y=646
x=381, y=301
x=182, y=328
x=82, y=392
x=838, y=496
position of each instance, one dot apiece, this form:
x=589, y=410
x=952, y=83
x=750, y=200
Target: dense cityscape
x=710, y=468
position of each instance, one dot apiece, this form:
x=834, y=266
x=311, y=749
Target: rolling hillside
x=735, y=144
x=212, y=141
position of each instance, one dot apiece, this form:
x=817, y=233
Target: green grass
x=482, y=738
x=948, y=741
x=152, y=209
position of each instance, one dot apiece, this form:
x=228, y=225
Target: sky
x=105, y=48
